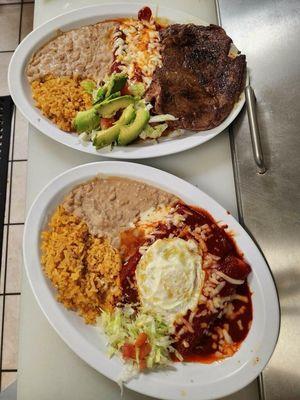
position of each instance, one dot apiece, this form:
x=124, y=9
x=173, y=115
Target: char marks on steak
x=198, y=82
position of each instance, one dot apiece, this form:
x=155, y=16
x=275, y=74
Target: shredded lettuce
x=153, y=132
x=124, y=326
x=162, y=118
x=149, y=106
x=84, y=137
x=140, y=104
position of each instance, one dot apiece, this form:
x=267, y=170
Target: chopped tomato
x=145, y=350
x=128, y=351
x=141, y=339
x=138, y=74
x=115, y=67
x=125, y=90
x=106, y=122
x=140, y=348
x=143, y=364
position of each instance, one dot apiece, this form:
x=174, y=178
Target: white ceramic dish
x=20, y=89
x=193, y=381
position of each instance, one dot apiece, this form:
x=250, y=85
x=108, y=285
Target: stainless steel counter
x=269, y=204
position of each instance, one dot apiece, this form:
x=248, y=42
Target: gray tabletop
x=47, y=367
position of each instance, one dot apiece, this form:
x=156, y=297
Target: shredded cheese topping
x=137, y=49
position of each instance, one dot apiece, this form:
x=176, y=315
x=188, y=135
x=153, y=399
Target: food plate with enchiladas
x=150, y=281
x=128, y=82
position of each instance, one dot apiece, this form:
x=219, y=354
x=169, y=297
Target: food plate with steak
x=150, y=281
x=128, y=82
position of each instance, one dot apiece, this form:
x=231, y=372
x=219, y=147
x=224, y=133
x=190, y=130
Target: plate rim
x=85, y=354
x=17, y=79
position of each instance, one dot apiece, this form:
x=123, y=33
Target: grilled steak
x=199, y=81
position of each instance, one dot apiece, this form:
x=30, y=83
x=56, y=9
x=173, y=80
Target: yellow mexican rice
x=60, y=99
x=83, y=268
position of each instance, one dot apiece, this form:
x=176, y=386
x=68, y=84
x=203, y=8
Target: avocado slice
x=99, y=95
x=86, y=121
x=127, y=116
x=109, y=108
x=108, y=136
x=116, y=83
x=128, y=133
x=110, y=97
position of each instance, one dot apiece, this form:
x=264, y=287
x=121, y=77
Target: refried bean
x=109, y=205
x=86, y=52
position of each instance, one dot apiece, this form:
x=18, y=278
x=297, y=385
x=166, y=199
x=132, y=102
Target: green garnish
x=153, y=132
x=113, y=84
x=124, y=325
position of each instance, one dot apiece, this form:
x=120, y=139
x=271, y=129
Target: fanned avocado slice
x=102, y=100
x=116, y=83
x=108, y=109
x=86, y=121
x=128, y=133
x=127, y=116
x=108, y=136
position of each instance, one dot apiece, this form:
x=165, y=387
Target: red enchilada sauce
x=221, y=322
x=144, y=15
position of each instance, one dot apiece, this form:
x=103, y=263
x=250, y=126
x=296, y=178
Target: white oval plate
x=193, y=381
x=21, y=93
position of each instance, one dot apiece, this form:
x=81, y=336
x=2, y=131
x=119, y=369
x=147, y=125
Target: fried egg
x=169, y=278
